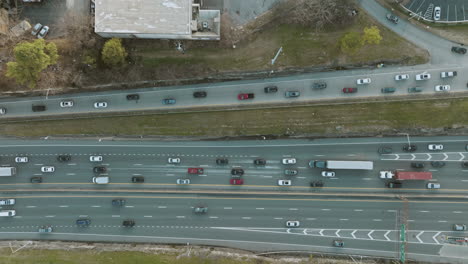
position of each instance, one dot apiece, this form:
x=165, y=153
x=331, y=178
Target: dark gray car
x=319, y=85
x=290, y=94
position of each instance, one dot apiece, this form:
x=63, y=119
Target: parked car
x=138, y=179
x=118, y=202
x=284, y=182
x=423, y=76
x=237, y=172
x=271, y=89
x=328, y=173
x=394, y=19
x=388, y=90
x=47, y=168
x=128, y=223
x=410, y=148
x=68, y=103
x=133, y=97
x=38, y=28
x=236, y=181
x=199, y=94
x=363, y=81
x=100, y=169
x=245, y=96
x=169, y=101
x=222, y=161
x=173, y=160
x=414, y=89
x=437, y=12
x=64, y=158
x=183, y=181
x=459, y=50
x=435, y=147
x=95, y=158
x=291, y=172
x=195, y=170
x=319, y=85
x=437, y=164
x=417, y=165
x=433, y=185
x=98, y=105
x=385, y=150
x=44, y=31
x=289, y=161
x=290, y=94
x=442, y=88
x=349, y=90
x=36, y=179
x=316, y=184
x=260, y=162
x=400, y=77
x=21, y=159
x=293, y=223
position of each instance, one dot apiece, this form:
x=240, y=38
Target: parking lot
x=451, y=10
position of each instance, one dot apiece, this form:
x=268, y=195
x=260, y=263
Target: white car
x=400, y=77
x=43, y=32
x=423, y=76
x=100, y=104
x=363, y=81
x=284, y=182
x=173, y=160
x=328, y=173
x=442, y=88
x=95, y=158
x=433, y=185
x=449, y=74
x=47, y=168
x=293, y=223
x=437, y=12
x=36, y=29
x=289, y=161
x=183, y=181
x=3, y=110
x=21, y=159
x=386, y=175
x=101, y=180
x=68, y=103
x=7, y=201
x=435, y=147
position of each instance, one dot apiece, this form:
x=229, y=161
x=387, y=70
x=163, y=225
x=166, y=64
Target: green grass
x=331, y=120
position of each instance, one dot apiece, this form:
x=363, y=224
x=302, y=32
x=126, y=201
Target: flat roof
x=144, y=16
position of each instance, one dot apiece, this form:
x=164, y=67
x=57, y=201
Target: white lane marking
x=227, y=208
x=71, y=164
x=321, y=232
x=136, y=174
x=344, y=219
x=64, y=206
x=302, y=167
x=337, y=233
x=391, y=211
x=385, y=235
x=38, y=164
x=137, y=164
x=410, y=220
x=115, y=215
x=369, y=235
x=442, y=221
x=95, y=206
x=260, y=208
x=30, y=206
x=417, y=236
x=129, y=206
x=304, y=231
x=267, y=176
x=246, y=217
x=325, y=209
x=457, y=212
x=351, y=155
x=434, y=237
x=424, y=211
x=358, y=210
x=293, y=209
x=278, y=218
x=376, y=220
x=149, y=216
x=180, y=216
x=50, y=216
x=352, y=234
x=71, y=174
x=319, y=155
x=169, y=174
x=83, y=216
x=213, y=217
x=301, y=177
x=162, y=206
x=367, y=179
x=311, y=218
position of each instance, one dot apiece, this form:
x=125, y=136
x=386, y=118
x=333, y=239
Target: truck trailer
x=7, y=171
x=406, y=175
x=345, y=165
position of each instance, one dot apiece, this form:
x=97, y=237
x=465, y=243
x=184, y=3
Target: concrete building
x=156, y=19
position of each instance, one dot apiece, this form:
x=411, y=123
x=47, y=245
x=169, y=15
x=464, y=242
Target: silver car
x=183, y=181
x=100, y=105
x=173, y=160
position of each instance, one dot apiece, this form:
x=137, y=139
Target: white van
x=7, y=213
x=9, y=201
x=101, y=180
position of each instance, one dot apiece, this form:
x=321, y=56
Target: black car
x=38, y=108
x=118, y=202
x=410, y=148
x=222, y=161
x=319, y=85
x=133, y=96
x=392, y=18
x=260, y=162
x=237, y=172
x=459, y=50
x=138, y=179
x=199, y=94
x=83, y=222
x=128, y=223
x=271, y=89
x=385, y=150
x=36, y=179
x=394, y=184
x=465, y=164
x=437, y=164
x=64, y=158
x=417, y=165
x=316, y=184
x=100, y=169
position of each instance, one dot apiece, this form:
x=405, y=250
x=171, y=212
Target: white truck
x=7, y=213
x=7, y=171
x=342, y=164
x=449, y=74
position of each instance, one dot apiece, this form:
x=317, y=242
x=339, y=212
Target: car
x=183, y=181
x=433, y=185
x=36, y=179
x=386, y=175
x=195, y=170
x=464, y=164
x=68, y=103
x=328, y=173
x=101, y=180
x=289, y=161
x=442, y=88
x=385, y=150
x=200, y=209
x=45, y=229
x=319, y=85
x=98, y=105
x=437, y=12
x=290, y=94
x=133, y=97
x=95, y=158
x=10, y=201
x=169, y=101
x=400, y=77
x=83, y=222
x=363, y=81
x=271, y=89
x=64, y=158
x=316, y=184
x=284, y=182
x=138, y=179
x=291, y=172
x=173, y=160
x=3, y=110
x=260, y=162
x=39, y=108
x=21, y=159
x=459, y=227
x=128, y=223
x=92, y=7
x=349, y=90
x=394, y=184
x=410, y=148
x=43, y=32
x=394, y=19
x=293, y=223
x=435, y=147
x=47, y=168
x=423, y=76
x=237, y=172
x=437, y=164
x=417, y=165
x=449, y=74
x=99, y=169
x=118, y=202
x=414, y=89
x=36, y=29
x=222, y=161
x=388, y=90
x=236, y=181
x=245, y=96
x=199, y=94
x=459, y=50
x=338, y=243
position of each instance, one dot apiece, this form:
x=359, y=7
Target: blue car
x=168, y=101
x=83, y=222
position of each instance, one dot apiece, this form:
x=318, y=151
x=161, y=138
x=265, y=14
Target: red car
x=195, y=170
x=236, y=181
x=349, y=90
x=245, y=96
